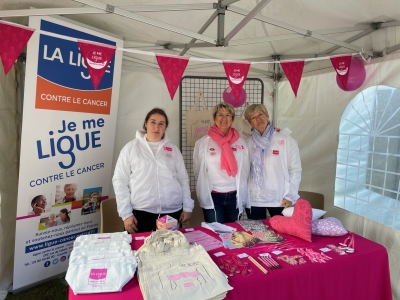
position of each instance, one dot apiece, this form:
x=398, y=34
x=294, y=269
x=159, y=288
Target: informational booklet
x=207, y=241
x=242, y=239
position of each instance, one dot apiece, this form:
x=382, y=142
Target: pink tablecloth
x=361, y=275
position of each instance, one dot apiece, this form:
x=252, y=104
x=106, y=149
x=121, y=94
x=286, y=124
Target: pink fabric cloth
x=361, y=275
x=228, y=159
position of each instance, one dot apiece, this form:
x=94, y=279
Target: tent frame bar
x=146, y=20
x=299, y=30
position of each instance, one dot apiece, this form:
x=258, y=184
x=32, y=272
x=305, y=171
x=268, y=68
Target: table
x=361, y=275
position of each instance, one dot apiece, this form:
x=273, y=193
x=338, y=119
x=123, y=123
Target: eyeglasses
x=261, y=115
x=228, y=116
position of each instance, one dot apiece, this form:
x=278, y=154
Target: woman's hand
x=130, y=224
x=185, y=216
x=286, y=203
x=37, y=209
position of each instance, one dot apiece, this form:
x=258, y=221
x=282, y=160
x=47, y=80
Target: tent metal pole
x=275, y=91
x=221, y=23
x=149, y=21
x=249, y=16
x=49, y=12
x=302, y=31
x=202, y=29
x=168, y=7
x=392, y=49
x=188, y=45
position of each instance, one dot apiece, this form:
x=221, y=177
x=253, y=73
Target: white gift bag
x=100, y=276
x=198, y=122
x=241, y=124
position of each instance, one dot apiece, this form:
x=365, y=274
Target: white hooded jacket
x=283, y=166
x=152, y=183
x=202, y=149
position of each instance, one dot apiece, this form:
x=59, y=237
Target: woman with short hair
x=275, y=166
x=221, y=166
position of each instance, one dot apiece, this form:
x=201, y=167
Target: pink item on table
x=299, y=224
x=328, y=227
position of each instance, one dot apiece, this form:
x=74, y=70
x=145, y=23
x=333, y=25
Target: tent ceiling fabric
x=256, y=40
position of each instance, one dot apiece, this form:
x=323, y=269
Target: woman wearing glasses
x=275, y=166
x=221, y=166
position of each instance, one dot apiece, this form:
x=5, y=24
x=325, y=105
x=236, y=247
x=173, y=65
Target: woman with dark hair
x=63, y=217
x=38, y=204
x=150, y=179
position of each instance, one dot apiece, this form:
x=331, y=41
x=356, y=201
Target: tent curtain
x=314, y=117
x=9, y=124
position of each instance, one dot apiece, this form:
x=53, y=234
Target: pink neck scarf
x=228, y=160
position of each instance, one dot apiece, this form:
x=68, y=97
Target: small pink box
x=167, y=222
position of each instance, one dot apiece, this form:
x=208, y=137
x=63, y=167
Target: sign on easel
x=67, y=147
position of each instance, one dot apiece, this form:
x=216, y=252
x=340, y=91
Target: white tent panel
x=314, y=117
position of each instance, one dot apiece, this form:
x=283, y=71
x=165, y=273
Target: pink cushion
x=299, y=224
x=328, y=227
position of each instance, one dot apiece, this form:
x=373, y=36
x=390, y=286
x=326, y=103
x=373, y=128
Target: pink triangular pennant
x=172, y=68
x=236, y=72
x=293, y=71
x=342, y=67
x=97, y=58
x=13, y=39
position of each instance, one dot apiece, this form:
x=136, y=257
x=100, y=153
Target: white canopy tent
x=256, y=31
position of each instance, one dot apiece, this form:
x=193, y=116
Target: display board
x=67, y=147
x=212, y=89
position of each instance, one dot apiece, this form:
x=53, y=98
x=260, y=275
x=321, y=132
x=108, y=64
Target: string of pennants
x=14, y=37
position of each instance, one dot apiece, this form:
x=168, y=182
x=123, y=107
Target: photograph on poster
x=91, y=200
x=68, y=193
x=38, y=204
x=48, y=221
x=55, y=218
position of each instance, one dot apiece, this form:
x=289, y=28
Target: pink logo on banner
x=13, y=39
x=172, y=68
x=97, y=276
x=342, y=67
x=97, y=58
x=293, y=71
x=236, y=72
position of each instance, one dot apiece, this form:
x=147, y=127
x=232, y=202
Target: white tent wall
x=9, y=122
x=314, y=118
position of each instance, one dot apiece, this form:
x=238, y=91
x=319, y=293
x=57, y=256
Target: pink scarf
x=228, y=160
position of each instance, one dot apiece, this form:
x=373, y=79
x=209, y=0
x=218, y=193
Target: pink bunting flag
x=97, y=58
x=13, y=39
x=342, y=67
x=293, y=71
x=236, y=72
x=172, y=68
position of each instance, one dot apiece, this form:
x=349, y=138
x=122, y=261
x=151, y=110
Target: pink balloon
x=229, y=97
x=356, y=76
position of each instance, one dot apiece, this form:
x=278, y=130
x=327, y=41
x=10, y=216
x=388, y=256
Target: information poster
x=67, y=147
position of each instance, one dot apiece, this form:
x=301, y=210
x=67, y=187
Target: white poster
x=67, y=147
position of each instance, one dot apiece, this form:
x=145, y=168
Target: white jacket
x=156, y=184
x=204, y=187
x=288, y=172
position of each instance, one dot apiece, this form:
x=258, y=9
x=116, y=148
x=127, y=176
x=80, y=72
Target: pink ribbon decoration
x=13, y=39
x=342, y=67
x=293, y=71
x=172, y=68
x=236, y=72
x=97, y=58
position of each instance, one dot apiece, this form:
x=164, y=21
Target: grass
x=56, y=289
